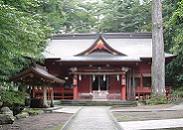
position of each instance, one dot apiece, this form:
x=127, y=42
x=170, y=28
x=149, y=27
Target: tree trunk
x=158, y=57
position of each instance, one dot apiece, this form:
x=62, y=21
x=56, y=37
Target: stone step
x=98, y=103
x=100, y=94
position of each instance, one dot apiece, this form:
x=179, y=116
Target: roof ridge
x=116, y=35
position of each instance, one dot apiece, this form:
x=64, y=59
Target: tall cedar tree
x=158, y=58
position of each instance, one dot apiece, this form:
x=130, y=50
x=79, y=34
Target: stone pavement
x=92, y=118
x=152, y=124
x=68, y=109
x=178, y=107
x=157, y=109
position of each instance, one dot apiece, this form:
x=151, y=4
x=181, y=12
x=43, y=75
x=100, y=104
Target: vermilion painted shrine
x=109, y=66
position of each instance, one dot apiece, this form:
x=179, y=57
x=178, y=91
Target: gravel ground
x=161, y=106
x=46, y=121
x=142, y=116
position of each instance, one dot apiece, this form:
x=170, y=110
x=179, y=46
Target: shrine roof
x=36, y=73
x=74, y=47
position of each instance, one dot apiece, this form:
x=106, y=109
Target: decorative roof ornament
x=100, y=45
x=124, y=69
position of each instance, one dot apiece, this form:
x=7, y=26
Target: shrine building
x=108, y=66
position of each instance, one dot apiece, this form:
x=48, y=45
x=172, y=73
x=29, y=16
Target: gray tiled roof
x=134, y=45
x=37, y=71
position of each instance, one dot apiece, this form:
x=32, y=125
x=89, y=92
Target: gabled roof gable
x=100, y=45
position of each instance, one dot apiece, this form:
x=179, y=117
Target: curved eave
x=168, y=58
x=40, y=74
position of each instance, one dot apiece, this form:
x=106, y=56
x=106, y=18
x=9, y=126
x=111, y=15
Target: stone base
x=98, y=103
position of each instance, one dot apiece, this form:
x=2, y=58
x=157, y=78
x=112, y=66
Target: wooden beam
x=97, y=73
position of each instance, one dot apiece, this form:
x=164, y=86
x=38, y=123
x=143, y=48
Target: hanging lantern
x=104, y=77
x=117, y=77
x=93, y=77
x=73, y=69
x=124, y=69
x=66, y=78
x=123, y=80
x=80, y=77
x=75, y=80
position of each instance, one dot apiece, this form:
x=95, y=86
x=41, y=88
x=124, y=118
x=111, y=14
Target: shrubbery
x=177, y=94
x=176, y=97
x=33, y=111
x=155, y=100
x=11, y=98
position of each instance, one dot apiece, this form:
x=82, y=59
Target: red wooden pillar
x=123, y=87
x=33, y=92
x=52, y=97
x=75, y=87
x=141, y=85
x=141, y=80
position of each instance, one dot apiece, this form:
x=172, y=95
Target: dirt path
x=46, y=121
x=151, y=115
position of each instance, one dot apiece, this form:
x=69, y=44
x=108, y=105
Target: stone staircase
x=100, y=95
x=98, y=103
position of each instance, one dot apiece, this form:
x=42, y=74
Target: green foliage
x=104, y=16
x=10, y=97
x=22, y=33
x=126, y=16
x=33, y=111
x=177, y=94
x=174, y=40
x=78, y=16
x=155, y=100
x=53, y=12
x=27, y=24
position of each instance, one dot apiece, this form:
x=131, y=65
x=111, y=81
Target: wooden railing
x=145, y=92
x=59, y=93
x=142, y=90
x=63, y=93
